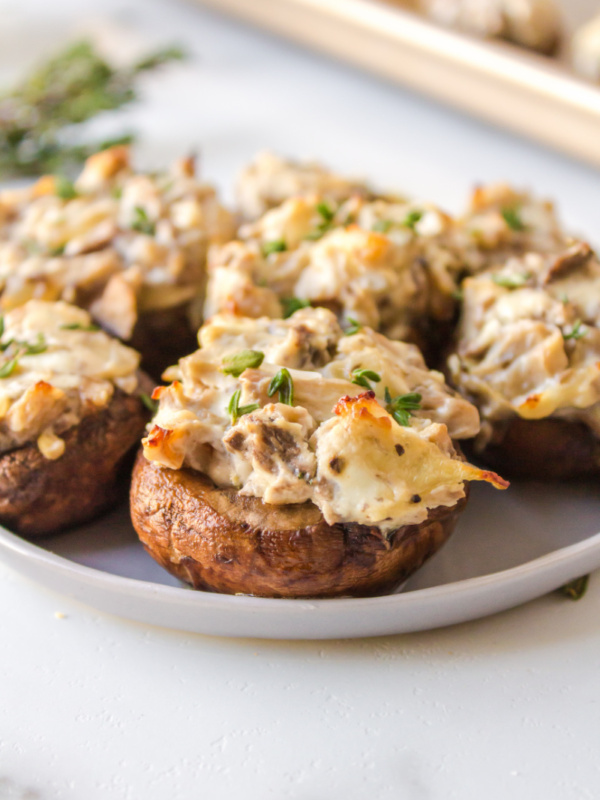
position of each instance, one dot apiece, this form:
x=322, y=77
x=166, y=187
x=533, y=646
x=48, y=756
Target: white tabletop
x=92, y=707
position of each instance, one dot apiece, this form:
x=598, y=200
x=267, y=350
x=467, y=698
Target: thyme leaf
x=577, y=332
x=64, y=188
x=151, y=405
x=293, y=304
x=282, y=382
x=238, y=362
x=382, y=225
x=9, y=367
x=77, y=326
x=353, y=327
x=512, y=217
x=361, y=377
x=575, y=590
x=411, y=219
x=275, y=246
x=403, y=406
x=235, y=410
x=142, y=222
x=515, y=281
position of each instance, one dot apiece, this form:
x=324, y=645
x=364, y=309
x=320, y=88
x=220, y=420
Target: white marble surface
x=92, y=707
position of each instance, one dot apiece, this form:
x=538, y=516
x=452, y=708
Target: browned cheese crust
x=39, y=496
x=219, y=541
x=545, y=449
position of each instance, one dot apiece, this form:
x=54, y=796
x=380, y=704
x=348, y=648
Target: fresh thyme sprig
x=282, y=382
x=40, y=117
x=403, y=406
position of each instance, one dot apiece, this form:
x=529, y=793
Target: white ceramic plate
x=509, y=548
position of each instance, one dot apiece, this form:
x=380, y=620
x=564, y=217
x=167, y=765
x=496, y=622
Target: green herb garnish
x=511, y=281
x=235, y=410
x=77, y=326
x=1, y=325
x=577, y=588
x=142, y=222
x=411, y=219
x=7, y=369
x=151, y=405
x=458, y=295
x=275, y=246
x=512, y=218
x=327, y=215
x=282, y=382
x=39, y=346
x=361, y=377
x=382, y=225
x=326, y=212
x=245, y=359
x=64, y=188
x=353, y=327
x=40, y=119
x=577, y=332
x=293, y=304
x=57, y=251
x=403, y=406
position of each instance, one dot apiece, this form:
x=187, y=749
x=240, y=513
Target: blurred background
x=227, y=100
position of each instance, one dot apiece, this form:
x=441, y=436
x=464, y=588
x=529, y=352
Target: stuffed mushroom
x=129, y=247
x=70, y=413
x=290, y=458
x=528, y=355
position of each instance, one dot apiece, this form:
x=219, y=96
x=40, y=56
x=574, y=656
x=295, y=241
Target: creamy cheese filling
x=56, y=368
x=529, y=339
x=297, y=409
x=501, y=222
x=392, y=264
x=389, y=265
x=113, y=236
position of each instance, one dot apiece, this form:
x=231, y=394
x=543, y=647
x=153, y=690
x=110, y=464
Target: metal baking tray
x=529, y=94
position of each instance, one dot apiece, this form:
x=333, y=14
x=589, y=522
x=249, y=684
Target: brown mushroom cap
x=39, y=496
x=218, y=540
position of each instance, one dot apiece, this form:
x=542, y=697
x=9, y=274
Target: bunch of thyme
x=39, y=118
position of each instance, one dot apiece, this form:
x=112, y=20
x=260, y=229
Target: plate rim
x=28, y=551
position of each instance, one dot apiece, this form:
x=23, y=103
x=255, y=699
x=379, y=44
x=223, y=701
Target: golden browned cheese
x=57, y=368
x=322, y=438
